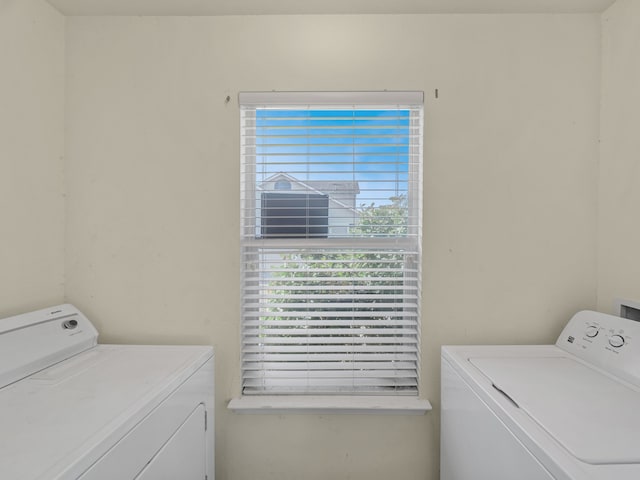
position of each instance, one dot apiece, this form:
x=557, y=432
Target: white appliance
x=569, y=411
x=73, y=409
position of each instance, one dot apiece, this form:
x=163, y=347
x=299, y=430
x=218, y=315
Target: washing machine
x=569, y=411
x=71, y=408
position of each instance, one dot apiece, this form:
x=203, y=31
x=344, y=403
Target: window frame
x=249, y=196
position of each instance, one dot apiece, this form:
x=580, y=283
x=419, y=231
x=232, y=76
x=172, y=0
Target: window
x=294, y=215
x=331, y=242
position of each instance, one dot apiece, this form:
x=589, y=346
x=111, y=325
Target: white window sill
x=287, y=404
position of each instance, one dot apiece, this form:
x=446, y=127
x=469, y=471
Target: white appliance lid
x=595, y=417
x=78, y=407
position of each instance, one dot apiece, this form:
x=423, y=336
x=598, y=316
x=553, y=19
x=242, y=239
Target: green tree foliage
x=345, y=280
x=383, y=220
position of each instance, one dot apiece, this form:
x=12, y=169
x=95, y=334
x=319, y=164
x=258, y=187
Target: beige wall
x=31, y=155
x=153, y=186
x=619, y=174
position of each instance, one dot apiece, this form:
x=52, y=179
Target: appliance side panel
x=129, y=456
x=204, y=381
x=183, y=456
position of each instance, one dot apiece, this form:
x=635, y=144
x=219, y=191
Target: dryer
x=71, y=408
x=569, y=411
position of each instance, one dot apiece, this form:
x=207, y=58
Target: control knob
x=616, y=341
x=592, y=332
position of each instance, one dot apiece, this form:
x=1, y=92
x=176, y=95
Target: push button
x=69, y=324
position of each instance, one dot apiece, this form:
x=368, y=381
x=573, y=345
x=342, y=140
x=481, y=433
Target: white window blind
x=331, y=242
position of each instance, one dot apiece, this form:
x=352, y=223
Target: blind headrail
x=334, y=99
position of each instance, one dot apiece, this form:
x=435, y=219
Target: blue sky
x=367, y=146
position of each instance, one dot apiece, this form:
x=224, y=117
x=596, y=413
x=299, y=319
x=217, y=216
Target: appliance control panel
x=609, y=342
x=35, y=340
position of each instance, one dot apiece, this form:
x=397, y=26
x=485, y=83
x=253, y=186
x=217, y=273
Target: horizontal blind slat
x=364, y=381
x=360, y=332
x=337, y=340
x=249, y=359
x=359, y=314
x=296, y=322
x=330, y=373
x=346, y=349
